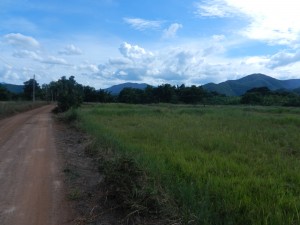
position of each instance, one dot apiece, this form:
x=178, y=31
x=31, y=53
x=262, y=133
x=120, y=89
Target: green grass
x=222, y=165
x=10, y=108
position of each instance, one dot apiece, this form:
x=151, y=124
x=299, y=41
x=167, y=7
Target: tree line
x=68, y=93
x=264, y=96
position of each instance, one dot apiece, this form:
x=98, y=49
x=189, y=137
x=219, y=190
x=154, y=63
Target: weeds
x=10, y=108
x=220, y=165
x=74, y=195
x=69, y=116
x=71, y=174
x=134, y=192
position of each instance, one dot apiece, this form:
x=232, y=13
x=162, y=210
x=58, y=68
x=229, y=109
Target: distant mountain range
x=240, y=86
x=13, y=87
x=116, y=89
x=230, y=87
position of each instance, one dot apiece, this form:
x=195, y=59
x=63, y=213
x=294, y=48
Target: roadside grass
x=10, y=108
x=74, y=195
x=221, y=165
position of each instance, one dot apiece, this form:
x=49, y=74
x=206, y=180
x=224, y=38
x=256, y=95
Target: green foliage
x=90, y=94
x=69, y=94
x=4, y=94
x=131, y=95
x=74, y=194
x=104, y=96
x=28, y=89
x=264, y=96
x=191, y=95
x=222, y=165
x=69, y=116
x=164, y=93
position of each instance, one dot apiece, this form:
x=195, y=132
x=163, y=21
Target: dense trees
x=68, y=93
x=29, y=86
x=194, y=95
x=191, y=95
x=4, y=94
x=165, y=93
x=264, y=96
x=131, y=95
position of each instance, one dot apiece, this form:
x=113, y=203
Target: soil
x=31, y=179
x=86, y=187
x=96, y=199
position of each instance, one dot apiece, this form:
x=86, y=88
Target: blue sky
x=106, y=42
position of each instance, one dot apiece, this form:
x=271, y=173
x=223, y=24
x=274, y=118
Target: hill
x=116, y=89
x=240, y=86
x=297, y=90
x=17, y=89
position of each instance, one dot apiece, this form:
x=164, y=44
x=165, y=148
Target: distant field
x=223, y=165
x=10, y=108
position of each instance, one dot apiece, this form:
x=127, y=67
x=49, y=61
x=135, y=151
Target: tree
x=90, y=94
x=149, y=95
x=4, y=94
x=28, y=89
x=191, y=95
x=131, y=95
x=105, y=96
x=70, y=94
x=165, y=93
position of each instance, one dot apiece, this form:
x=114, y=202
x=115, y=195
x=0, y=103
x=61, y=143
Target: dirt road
x=31, y=182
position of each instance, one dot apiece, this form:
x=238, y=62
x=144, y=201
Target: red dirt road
x=31, y=179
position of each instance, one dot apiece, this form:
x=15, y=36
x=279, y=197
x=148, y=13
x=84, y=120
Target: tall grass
x=222, y=165
x=10, y=108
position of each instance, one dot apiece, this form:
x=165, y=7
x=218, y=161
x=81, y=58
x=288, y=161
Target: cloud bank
x=274, y=22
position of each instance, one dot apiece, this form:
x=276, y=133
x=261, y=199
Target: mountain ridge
x=14, y=88
x=241, y=86
x=116, y=89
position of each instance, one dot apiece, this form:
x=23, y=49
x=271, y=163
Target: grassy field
x=10, y=108
x=222, y=165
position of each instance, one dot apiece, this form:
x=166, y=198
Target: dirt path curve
x=31, y=182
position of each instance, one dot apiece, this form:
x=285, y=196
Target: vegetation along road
x=30, y=179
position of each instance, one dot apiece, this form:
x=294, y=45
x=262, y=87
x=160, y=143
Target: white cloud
x=71, y=50
x=189, y=64
x=283, y=58
x=171, y=31
x=214, y=8
x=215, y=46
x=8, y=74
x=27, y=54
x=133, y=51
x=275, y=22
x=119, y=61
x=219, y=37
x=170, y=65
x=142, y=24
x=88, y=67
x=20, y=40
x=52, y=60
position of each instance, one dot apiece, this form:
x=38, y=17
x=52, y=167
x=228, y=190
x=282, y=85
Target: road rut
x=31, y=181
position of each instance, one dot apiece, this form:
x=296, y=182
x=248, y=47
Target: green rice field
x=222, y=165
